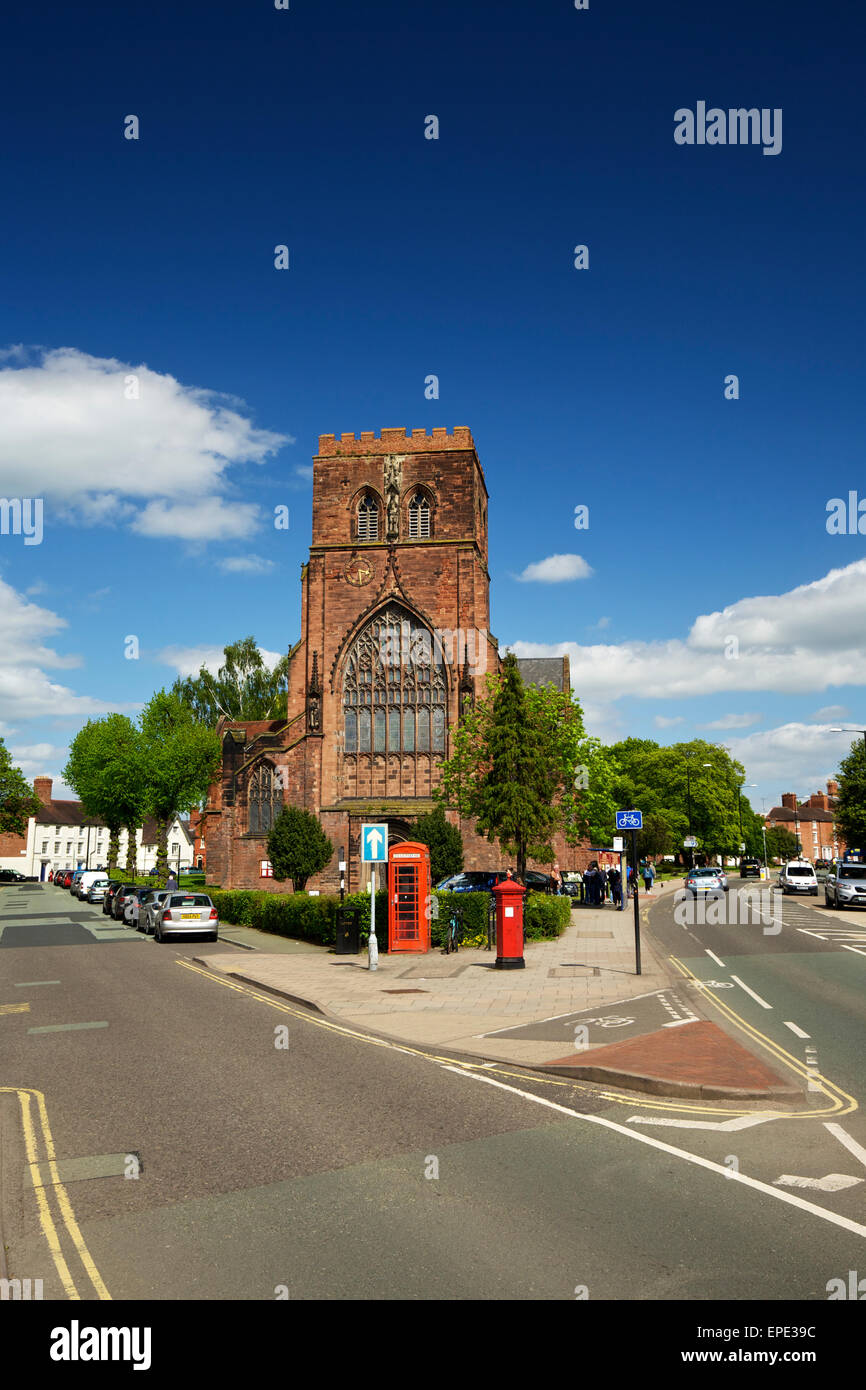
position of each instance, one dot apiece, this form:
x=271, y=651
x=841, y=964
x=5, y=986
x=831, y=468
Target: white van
x=798, y=876
x=86, y=880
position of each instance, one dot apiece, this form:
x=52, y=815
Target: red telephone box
x=408, y=897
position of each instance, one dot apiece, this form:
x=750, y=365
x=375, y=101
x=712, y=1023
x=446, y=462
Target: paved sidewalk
x=462, y=1002
x=458, y=999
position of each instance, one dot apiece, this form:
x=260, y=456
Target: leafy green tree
x=106, y=770
x=851, y=807
x=298, y=847
x=781, y=843
x=515, y=765
x=181, y=758
x=444, y=841
x=670, y=780
x=17, y=800
x=656, y=838
x=243, y=688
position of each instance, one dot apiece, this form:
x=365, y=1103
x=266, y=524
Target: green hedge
x=545, y=916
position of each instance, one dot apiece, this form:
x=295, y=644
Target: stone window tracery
x=419, y=518
x=395, y=690
x=265, y=798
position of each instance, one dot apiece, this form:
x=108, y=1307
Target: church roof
x=545, y=670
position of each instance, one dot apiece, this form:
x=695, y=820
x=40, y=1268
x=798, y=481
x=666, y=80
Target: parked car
x=750, y=867
x=149, y=909
x=120, y=899
x=133, y=903
x=81, y=886
x=539, y=883
x=65, y=879
x=845, y=885
x=184, y=913
x=705, y=882
x=472, y=881
x=96, y=890
x=11, y=876
x=798, y=876
x=113, y=885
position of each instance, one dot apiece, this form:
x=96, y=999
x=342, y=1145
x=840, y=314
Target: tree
x=515, y=765
x=656, y=838
x=781, y=844
x=671, y=780
x=106, y=770
x=851, y=807
x=17, y=800
x=298, y=847
x=444, y=841
x=181, y=758
x=243, y=688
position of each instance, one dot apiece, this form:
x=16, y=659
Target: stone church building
x=395, y=632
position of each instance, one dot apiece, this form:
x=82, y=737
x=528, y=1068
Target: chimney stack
x=42, y=788
x=789, y=799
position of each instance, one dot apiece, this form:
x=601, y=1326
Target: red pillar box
x=509, y=897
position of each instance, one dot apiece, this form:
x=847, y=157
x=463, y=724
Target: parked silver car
x=97, y=890
x=183, y=913
x=149, y=909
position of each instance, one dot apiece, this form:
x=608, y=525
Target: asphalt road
x=201, y=1153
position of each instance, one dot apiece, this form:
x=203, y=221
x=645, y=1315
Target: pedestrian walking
x=649, y=874
x=556, y=878
x=616, y=887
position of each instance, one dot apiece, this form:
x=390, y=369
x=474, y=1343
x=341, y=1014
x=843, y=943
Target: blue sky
x=409, y=256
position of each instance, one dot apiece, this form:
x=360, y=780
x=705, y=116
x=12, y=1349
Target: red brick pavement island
x=695, y=1059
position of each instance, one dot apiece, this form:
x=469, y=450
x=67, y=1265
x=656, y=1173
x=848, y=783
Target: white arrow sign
x=374, y=844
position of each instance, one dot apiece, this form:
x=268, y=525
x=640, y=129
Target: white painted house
x=60, y=836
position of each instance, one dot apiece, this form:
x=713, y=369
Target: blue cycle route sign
x=374, y=844
x=629, y=820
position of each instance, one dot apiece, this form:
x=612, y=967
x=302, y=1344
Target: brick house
x=395, y=618
x=812, y=821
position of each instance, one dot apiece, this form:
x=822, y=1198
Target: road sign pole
x=372, y=943
x=636, y=904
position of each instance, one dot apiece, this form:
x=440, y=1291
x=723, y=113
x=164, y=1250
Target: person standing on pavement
x=556, y=879
x=171, y=882
x=616, y=886
x=649, y=874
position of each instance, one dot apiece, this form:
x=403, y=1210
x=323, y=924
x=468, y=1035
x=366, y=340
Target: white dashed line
x=850, y=1144
x=763, y=1003
x=715, y=958
x=799, y=1032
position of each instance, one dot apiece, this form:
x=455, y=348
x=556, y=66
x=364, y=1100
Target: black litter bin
x=348, y=931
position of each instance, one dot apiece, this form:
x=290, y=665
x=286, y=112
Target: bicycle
x=453, y=933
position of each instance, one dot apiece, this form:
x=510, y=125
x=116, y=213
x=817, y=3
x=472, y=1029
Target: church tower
x=394, y=637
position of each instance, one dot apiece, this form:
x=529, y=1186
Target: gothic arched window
x=419, y=518
x=368, y=518
x=395, y=691
x=265, y=798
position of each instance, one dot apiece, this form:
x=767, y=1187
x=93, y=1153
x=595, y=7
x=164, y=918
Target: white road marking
x=807, y=932
x=763, y=1003
x=724, y=1126
x=831, y=1216
x=844, y=1138
x=855, y=949
x=678, y=1022
x=716, y=959
x=799, y=1032
x=834, y=1182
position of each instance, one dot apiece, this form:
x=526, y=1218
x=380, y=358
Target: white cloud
x=246, y=564
x=187, y=661
x=732, y=721
x=801, y=641
x=793, y=757
x=205, y=519
x=556, y=569
x=663, y=721
x=831, y=714
x=69, y=433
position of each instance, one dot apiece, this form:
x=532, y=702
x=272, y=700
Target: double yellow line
x=54, y=1187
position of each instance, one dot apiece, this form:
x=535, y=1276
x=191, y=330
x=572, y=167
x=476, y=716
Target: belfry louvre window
x=395, y=691
x=368, y=519
x=419, y=518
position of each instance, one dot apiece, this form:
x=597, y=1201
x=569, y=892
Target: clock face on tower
x=359, y=572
